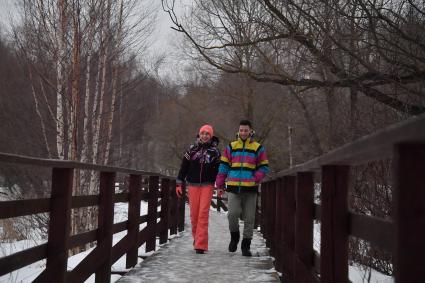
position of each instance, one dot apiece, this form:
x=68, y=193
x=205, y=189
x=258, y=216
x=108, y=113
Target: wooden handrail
x=56, y=163
x=61, y=202
x=402, y=235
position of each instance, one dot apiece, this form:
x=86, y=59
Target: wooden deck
x=176, y=261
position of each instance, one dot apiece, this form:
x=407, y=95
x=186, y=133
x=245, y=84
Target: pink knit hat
x=208, y=129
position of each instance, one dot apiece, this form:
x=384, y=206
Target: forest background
x=79, y=81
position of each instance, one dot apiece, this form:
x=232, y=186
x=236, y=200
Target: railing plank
x=56, y=163
x=84, y=201
x=376, y=231
x=119, y=227
x=82, y=239
x=122, y=247
x=17, y=208
x=121, y=197
x=93, y=261
x=21, y=259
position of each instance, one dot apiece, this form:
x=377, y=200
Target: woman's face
x=204, y=136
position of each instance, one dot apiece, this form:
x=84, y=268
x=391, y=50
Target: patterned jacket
x=243, y=165
x=200, y=163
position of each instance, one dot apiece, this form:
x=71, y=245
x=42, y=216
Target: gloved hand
x=220, y=193
x=179, y=190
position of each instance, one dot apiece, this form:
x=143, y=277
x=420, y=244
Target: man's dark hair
x=245, y=123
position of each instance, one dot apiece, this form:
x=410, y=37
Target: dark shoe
x=199, y=251
x=245, y=247
x=234, y=240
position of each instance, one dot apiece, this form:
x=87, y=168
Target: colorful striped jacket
x=243, y=165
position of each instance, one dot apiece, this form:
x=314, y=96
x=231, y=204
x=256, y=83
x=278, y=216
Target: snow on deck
x=176, y=261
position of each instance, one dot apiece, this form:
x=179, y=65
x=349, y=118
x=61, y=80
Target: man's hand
x=220, y=193
x=179, y=190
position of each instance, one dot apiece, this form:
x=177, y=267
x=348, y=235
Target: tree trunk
x=316, y=144
x=37, y=109
x=60, y=81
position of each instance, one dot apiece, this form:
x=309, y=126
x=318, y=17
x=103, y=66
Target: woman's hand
x=179, y=190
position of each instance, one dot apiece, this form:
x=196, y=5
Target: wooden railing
x=288, y=209
x=159, y=190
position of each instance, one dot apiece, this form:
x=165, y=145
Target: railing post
x=264, y=189
x=152, y=213
x=288, y=236
x=272, y=202
x=59, y=226
x=173, y=209
x=304, y=227
x=269, y=215
x=133, y=218
x=334, y=224
x=409, y=212
x=105, y=223
x=181, y=208
x=278, y=225
x=165, y=199
x=257, y=210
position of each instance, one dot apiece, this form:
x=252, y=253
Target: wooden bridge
x=286, y=212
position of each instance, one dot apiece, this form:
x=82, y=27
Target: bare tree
x=75, y=51
x=366, y=46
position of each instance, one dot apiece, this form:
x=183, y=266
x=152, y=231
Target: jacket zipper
x=202, y=165
x=240, y=171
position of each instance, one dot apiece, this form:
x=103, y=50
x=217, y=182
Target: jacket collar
x=248, y=140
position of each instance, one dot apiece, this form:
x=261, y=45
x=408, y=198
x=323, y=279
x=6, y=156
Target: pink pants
x=199, y=202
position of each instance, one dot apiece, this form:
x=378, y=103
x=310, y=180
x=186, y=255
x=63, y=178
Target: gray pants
x=242, y=206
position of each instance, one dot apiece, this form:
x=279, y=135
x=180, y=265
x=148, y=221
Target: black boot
x=245, y=246
x=234, y=240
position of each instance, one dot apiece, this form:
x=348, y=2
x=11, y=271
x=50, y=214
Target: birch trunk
x=86, y=176
x=101, y=92
x=100, y=89
x=37, y=109
x=60, y=81
x=73, y=126
x=111, y=115
x=115, y=80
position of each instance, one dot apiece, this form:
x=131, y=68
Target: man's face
x=244, y=132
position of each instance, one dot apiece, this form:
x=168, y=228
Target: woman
x=199, y=169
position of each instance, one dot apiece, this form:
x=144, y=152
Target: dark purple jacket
x=200, y=163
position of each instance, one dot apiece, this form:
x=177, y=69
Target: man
x=243, y=165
